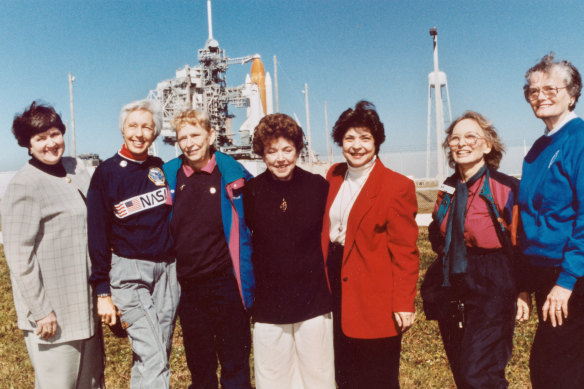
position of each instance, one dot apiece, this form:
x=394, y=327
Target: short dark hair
x=35, y=119
x=363, y=115
x=273, y=126
x=493, y=158
x=571, y=75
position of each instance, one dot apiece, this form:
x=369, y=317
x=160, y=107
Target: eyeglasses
x=469, y=139
x=548, y=91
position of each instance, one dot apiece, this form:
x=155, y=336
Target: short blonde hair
x=192, y=117
x=493, y=158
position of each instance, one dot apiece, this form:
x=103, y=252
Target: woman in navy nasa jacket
x=133, y=264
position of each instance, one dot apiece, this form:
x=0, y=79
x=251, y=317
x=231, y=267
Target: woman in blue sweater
x=551, y=200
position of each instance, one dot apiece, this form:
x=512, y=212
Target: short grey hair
x=571, y=75
x=147, y=105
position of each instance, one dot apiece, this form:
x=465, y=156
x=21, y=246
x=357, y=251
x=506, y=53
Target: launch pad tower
x=203, y=87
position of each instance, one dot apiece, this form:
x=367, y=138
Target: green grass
x=423, y=360
x=426, y=200
x=423, y=363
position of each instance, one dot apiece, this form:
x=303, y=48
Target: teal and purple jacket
x=237, y=235
x=492, y=219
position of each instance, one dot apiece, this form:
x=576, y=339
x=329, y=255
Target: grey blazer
x=44, y=225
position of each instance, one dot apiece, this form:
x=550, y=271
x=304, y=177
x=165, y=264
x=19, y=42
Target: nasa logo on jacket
x=156, y=176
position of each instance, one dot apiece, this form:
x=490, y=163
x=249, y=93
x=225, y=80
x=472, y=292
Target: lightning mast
x=437, y=80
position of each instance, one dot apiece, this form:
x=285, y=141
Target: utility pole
x=329, y=151
x=73, y=150
x=308, y=139
x=276, y=84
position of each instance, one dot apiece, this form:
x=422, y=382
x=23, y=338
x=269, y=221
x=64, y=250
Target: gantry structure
x=204, y=87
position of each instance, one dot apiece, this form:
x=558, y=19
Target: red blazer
x=380, y=258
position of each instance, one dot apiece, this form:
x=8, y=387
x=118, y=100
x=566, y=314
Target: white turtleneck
x=355, y=179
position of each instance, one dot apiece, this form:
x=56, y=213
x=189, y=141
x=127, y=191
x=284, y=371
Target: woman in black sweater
x=284, y=207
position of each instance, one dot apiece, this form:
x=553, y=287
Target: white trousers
x=295, y=356
x=77, y=364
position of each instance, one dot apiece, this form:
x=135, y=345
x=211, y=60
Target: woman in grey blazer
x=45, y=241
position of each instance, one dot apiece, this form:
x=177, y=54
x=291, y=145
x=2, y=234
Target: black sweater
x=285, y=218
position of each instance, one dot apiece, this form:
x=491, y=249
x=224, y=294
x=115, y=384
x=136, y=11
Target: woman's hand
x=107, y=310
x=556, y=305
x=47, y=326
x=523, y=306
x=404, y=320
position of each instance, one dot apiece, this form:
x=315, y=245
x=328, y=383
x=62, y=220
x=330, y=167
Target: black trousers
x=479, y=351
x=557, y=354
x=360, y=363
x=215, y=325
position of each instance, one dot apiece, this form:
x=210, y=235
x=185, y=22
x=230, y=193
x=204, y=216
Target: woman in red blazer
x=369, y=243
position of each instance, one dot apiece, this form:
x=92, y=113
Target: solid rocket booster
x=258, y=77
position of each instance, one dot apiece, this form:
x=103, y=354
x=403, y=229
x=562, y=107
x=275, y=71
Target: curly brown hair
x=493, y=158
x=274, y=126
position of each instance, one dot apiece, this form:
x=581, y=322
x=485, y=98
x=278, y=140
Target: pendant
x=284, y=205
x=340, y=228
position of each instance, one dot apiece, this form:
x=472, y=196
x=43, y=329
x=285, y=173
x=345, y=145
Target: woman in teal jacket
x=213, y=249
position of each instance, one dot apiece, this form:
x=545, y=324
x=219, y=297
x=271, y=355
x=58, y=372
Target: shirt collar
x=209, y=167
x=127, y=154
x=568, y=117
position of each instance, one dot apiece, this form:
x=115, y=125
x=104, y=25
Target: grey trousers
x=77, y=364
x=147, y=294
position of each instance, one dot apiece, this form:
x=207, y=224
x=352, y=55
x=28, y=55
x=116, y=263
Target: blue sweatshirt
x=127, y=214
x=551, y=189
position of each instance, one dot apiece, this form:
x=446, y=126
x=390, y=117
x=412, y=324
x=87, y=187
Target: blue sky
x=345, y=51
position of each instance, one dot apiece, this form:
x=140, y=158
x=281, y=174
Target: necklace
x=343, y=212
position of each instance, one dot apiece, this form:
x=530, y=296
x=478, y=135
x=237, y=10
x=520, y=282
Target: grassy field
x=426, y=200
x=423, y=363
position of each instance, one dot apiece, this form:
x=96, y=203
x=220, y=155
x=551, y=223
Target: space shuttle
x=258, y=92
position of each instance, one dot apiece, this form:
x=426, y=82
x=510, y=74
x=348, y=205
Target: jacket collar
x=363, y=203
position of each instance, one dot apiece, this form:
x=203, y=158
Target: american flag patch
x=140, y=203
